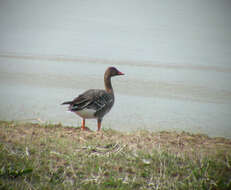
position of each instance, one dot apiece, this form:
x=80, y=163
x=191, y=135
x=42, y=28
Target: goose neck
x=107, y=83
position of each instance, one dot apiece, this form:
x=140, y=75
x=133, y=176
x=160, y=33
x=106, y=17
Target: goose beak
x=120, y=73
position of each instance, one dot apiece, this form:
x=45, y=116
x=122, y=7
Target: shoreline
x=35, y=88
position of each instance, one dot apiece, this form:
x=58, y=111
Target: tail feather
x=68, y=102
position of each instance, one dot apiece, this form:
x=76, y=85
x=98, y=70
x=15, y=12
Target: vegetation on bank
x=44, y=156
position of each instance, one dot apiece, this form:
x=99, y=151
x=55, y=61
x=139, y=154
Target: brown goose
x=95, y=103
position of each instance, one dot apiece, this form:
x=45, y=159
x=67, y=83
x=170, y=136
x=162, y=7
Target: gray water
x=175, y=56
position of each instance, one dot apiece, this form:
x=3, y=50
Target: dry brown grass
x=69, y=158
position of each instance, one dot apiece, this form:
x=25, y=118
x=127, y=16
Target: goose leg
x=83, y=125
x=99, y=124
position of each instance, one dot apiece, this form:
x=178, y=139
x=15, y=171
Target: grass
x=44, y=156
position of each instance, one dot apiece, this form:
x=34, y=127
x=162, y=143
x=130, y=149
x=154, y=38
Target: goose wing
x=98, y=100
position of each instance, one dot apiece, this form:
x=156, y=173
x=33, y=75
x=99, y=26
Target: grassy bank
x=39, y=156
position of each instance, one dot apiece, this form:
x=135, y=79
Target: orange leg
x=99, y=124
x=83, y=125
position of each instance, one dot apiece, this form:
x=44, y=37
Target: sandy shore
x=150, y=98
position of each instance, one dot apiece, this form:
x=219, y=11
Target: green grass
x=39, y=156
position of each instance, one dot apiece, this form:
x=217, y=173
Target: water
x=177, y=63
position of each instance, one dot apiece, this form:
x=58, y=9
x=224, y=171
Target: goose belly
x=86, y=113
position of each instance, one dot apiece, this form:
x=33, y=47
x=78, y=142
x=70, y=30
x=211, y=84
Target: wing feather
x=99, y=100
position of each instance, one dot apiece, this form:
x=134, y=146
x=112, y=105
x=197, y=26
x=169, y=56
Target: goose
x=95, y=103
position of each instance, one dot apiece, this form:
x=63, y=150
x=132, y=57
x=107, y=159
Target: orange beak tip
x=120, y=73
